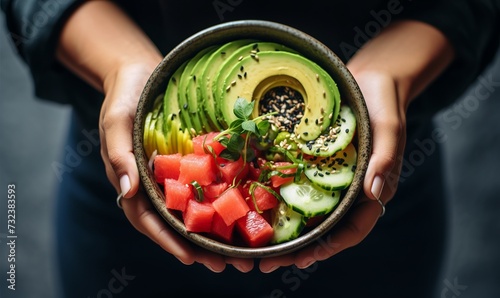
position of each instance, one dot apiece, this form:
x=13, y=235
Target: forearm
x=99, y=38
x=412, y=53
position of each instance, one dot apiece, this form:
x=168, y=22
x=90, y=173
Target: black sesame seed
x=347, y=130
x=321, y=175
x=185, y=106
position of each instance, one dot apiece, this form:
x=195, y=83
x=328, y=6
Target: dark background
x=31, y=141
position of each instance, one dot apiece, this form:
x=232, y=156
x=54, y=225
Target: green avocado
x=252, y=76
x=170, y=102
x=235, y=65
x=193, y=95
x=212, y=67
x=182, y=98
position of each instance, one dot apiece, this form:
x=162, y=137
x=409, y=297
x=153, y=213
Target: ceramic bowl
x=266, y=31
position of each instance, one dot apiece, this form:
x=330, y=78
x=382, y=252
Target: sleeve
x=34, y=27
x=473, y=29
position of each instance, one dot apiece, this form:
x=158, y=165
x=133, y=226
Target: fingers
x=243, y=265
x=116, y=126
x=144, y=218
x=387, y=122
x=350, y=232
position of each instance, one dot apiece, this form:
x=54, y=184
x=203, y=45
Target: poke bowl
x=252, y=139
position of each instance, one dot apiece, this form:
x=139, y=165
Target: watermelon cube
x=214, y=190
x=166, y=167
x=232, y=169
x=231, y=206
x=177, y=194
x=208, y=140
x=254, y=229
x=277, y=181
x=198, y=216
x=220, y=230
x=263, y=198
x=196, y=167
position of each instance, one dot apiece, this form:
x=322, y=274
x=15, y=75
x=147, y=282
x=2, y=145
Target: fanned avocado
x=252, y=76
x=186, y=76
x=221, y=84
x=198, y=121
x=211, y=70
x=170, y=101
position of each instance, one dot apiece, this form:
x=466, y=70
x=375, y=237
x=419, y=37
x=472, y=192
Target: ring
x=119, y=201
x=383, y=208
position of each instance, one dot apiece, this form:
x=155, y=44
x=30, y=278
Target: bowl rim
x=309, y=47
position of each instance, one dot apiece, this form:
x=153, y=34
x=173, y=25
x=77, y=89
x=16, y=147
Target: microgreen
x=236, y=137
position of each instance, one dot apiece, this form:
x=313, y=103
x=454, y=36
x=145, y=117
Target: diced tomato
x=209, y=141
x=231, y=206
x=232, y=169
x=264, y=199
x=177, y=194
x=196, y=167
x=276, y=180
x=220, y=230
x=167, y=167
x=198, y=216
x=254, y=229
x=214, y=190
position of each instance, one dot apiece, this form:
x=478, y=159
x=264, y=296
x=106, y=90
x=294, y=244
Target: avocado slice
x=182, y=98
x=209, y=74
x=170, y=100
x=235, y=62
x=253, y=76
x=193, y=96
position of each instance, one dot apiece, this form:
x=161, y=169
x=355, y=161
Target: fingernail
x=377, y=186
x=211, y=268
x=271, y=269
x=240, y=268
x=124, y=184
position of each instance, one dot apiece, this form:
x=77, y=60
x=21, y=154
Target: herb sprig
x=236, y=137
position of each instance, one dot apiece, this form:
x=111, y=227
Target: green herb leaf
x=236, y=143
x=263, y=127
x=250, y=126
x=224, y=140
x=242, y=108
x=230, y=155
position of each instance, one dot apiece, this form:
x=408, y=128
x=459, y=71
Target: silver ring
x=383, y=208
x=119, y=201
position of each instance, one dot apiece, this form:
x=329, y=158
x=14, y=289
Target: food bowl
x=307, y=46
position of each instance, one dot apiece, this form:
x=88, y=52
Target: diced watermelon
x=254, y=171
x=177, y=194
x=254, y=229
x=276, y=180
x=198, y=216
x=214, y=190
x=264, y=199
x=231, y=206
x=209, y=141
x=166, y=167
x=196, y=167
x=220, y=230
x=232, y=169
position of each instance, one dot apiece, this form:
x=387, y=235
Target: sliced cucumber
x=334, y=172
x=335, y=138
x=309, y=200
x=287, y=224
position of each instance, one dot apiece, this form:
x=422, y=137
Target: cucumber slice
x=287, y=224
x=308, y=199
x=334, y=172
x=335, y=138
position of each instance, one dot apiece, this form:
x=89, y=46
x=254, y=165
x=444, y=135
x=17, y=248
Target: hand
x=388, y=123
x=102, y=45
x=122, y=89
x=391, y=70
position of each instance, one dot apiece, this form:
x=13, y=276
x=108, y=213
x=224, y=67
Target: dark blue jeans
x=101, y=255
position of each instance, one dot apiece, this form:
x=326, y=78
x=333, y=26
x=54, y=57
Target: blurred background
x=31, y=141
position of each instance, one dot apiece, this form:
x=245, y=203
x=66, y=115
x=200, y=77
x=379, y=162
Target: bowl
x=309, y=47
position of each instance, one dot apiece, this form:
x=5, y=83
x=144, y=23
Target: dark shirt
x=472, y=26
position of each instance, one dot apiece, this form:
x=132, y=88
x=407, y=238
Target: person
x=409, y=58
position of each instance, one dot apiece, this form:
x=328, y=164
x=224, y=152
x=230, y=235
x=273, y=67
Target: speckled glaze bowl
x=267, y=31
